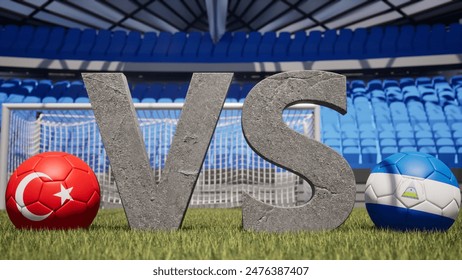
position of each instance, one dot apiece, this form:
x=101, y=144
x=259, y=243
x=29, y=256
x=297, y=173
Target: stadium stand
x=92, y=44
x=384, y=116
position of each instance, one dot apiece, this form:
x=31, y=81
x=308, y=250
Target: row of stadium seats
x=384, y=116
x=91, y=44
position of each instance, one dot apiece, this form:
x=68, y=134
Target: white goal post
x=230, y=166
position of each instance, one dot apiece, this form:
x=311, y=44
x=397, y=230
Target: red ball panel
x=84, y=185
x=48, y=195
x=28, y=165
x=94, y=201
x=77, y=163
x=56, y=167
x=53, y=154
x=70, y=209
x=32, y=192
x=38, y=208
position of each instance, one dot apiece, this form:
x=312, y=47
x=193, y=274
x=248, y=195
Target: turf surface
x=217, y=234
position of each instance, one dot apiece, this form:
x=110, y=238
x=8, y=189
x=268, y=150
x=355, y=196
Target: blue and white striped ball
x=412, y=191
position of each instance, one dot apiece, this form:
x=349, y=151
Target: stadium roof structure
x=218, y=16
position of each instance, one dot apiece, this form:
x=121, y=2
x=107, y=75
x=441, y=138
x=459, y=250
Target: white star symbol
x=65, y=194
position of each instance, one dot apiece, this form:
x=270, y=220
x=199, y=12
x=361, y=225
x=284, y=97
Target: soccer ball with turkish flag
x=52, y=190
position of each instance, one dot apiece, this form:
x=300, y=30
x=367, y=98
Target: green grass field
x=218, y=234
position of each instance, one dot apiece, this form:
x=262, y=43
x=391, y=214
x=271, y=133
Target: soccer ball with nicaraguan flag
x=412, y=191
x=52, y=190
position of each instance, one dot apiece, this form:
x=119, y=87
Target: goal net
x=230, y=166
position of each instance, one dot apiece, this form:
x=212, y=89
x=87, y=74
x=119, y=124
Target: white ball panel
x=457, y=196
x=369, y=195
x=383, y=183
x=411, y=191
x=428, y=207
x=452, y=210
x=439, y=193
x=390, y=200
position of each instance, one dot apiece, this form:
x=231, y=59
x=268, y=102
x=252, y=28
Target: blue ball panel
x=445, y=174
x=416, y=166
x=398, y=218
x=437, y=176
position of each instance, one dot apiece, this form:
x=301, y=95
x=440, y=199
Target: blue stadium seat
x=237, y=45
x=434, y=112
x=131, y=47
x=456, y=126
x=406, y=81
x=169, y=93
x=23, y=39
x=152, y=94
x=265, y=50
x=310, y=50
x=103, y=39
x=163, y=43
x=388, y=151
x=38, y=42
x=387, y=134
x=352, y=155
x=369, y=157
x=246, y=88
x=398, y=112
x=146, y=46
x=411, y=93
x=234, y=93
x=205, y=47
x=453, y=113
x=342, y=44
x=54, y=43
x=116, y=46
x=425, y=87
x=448, y=155
x=56, y=92
x=139, y=91
x=296, y=45
x=431, y=150
x=326, y=46
x=191, y=46
x=251, y=46
x=358, y=43
x=404, y=42
x=406, y=142
x=416, y=112
x=403, y=126
x=425, y=142
x=392, y=91
x=420, y=44
x=373, y=42
x=381, y=112
x=70, y=43
x=180, y=96
x=281, y=46
x=441, y=142
x=71, y=93
x=177, y=44
x=408, y=149
x=220, y=52
x=437, y=38
x=86, y=43
x=389, y=41
x=388, y=142
x=8, y=37
x=453, y=40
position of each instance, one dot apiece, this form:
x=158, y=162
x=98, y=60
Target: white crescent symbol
x=19, y=197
